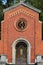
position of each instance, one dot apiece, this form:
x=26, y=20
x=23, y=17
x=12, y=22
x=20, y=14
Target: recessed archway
x=21, y=52
x=21, y=42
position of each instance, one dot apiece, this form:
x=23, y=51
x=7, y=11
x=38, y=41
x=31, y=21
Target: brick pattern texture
x=33, y=32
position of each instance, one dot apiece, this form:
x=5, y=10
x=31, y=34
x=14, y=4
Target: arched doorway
x=21, y=53
x=21, y=49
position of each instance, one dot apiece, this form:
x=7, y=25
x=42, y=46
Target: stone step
x=21, y=64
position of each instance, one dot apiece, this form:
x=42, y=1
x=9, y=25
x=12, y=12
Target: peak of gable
x=24, y=4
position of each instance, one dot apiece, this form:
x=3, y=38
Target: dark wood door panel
x=21, y=55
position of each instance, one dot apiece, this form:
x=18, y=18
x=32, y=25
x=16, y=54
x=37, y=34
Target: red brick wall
x=33, y=32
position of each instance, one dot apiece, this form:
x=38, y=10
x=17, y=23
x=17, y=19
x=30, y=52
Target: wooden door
x=21, y=54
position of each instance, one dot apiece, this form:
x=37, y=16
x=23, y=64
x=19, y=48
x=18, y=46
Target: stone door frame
x=14, y=50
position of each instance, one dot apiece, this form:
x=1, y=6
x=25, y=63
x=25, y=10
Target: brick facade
x=33, y=32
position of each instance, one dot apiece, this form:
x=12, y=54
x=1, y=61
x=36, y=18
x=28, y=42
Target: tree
x=38, y=4
x=1, y=6
x=9, y=3
x=1, y=10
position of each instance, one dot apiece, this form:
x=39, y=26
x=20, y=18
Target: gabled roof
x=24, y=4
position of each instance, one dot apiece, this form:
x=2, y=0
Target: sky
x=4, y=1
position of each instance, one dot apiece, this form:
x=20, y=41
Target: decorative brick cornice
x=19, y=11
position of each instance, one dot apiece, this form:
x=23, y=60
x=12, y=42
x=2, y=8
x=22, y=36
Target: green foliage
x=1, y=9
x=1, y=16
x=1, y=6
x=38, y=4
x=9, y=3
x=30, y=1
x=41, y=16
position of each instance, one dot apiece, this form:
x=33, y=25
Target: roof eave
x=29, y=6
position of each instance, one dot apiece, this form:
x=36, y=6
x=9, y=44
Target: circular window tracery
x=21, y=24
